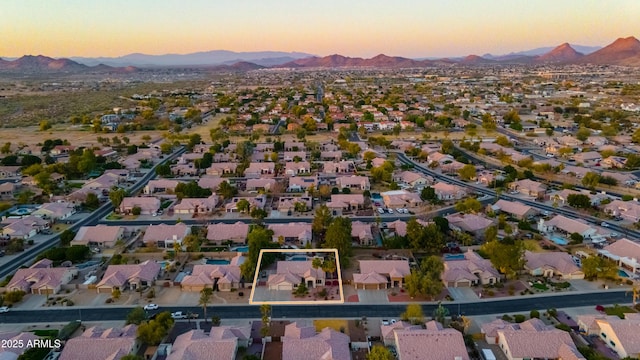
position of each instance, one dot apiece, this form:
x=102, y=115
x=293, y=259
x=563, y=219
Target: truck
x=183, y=315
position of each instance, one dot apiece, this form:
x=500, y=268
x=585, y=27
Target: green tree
x=591, y=180
x=243, y=205
x=136, y=316
x=413, y=314
x=596, y=267
x=6, y=148
x=583, y=133
x=205, y=298
x=45, y=125
x=379, y=352
x=91, y=201
x=226, y=190
x=152, y=332
x=265, y=310
x=467, y=172
x=66, y=237
x=428, y=194
x=321, y=221
x=339, y=237
x=504, y=256
x=580, y=201
x=116, y=195
x=468, y=205
x=259, y=238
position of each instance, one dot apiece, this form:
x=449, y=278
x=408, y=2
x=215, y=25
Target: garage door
x=104, y=290
x=463, y=284
x=287, y=287
x=371, y=287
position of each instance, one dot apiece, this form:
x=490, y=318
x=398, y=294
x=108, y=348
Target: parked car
x=604, y=224
x=4, y=309
x=381, y=210
x=151, y=307
x=178, y=315
x=390, y=210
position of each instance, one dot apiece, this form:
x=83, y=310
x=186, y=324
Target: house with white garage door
x=290, y=274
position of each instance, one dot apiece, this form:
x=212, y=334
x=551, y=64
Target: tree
x=243, y=205
x=6, y=148
x=265, y=310
x=576, y=238
x=428, y=194
x=321, y=221
x=116, y=195
x=504, y=256
x=468, y=205
x=590, y=180
x=338, y=237
x=427, y=238
x=153, y=331
x=136, y=210
x=467, y=172
x=379, y=352
x=91, y=201
x=136, y=316
x=45, y=125
x=259, y=238
x=583, y=133
x=116, y=293
x=66, y=237
x=580, y=201
x=205, y=298
x=413, y=314
x=596, y=267
x=226, y=190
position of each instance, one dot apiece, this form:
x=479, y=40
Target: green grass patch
x=166, y=203
x=542, y=287
x=618, y=310
x=46, y=333
x=114, y=216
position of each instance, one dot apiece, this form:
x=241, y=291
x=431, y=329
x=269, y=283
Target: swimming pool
x=164, y=264
x=218, y=262
x=558, y=240
x=23, y=211
x=623, y=274
x=242, y=249
x=448, y=257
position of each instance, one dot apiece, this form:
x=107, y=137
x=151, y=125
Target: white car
x=151, y=307
x=604, y=224
x=399, y=210
x=390, y=210
x=381, y=210
x=4, y=309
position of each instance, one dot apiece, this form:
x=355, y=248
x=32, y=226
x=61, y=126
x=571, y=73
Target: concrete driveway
x=463, y=293
x=373, y=297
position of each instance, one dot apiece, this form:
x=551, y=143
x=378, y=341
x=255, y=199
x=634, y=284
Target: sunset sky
x=419, y=28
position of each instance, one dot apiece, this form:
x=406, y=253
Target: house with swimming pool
x=552, y=264
x=559, y=228
x=625, y=253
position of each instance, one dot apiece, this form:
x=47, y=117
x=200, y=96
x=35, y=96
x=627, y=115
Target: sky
x=365, y=28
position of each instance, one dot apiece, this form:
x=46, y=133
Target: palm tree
x=205, y=298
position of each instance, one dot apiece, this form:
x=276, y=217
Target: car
x=385, y=322
x=390, y=210
x=4, y=309
x=393, y=321
x=381, y=210
x=151, y=307
x=399, y=210
x=604, y=224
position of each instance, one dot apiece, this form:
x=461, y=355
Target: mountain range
x=623, y=51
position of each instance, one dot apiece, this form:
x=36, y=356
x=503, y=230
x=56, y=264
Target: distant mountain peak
x=563, y=53
x=623, y=51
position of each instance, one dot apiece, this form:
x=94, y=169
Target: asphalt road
x=482, y=307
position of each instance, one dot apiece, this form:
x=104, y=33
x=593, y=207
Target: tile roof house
x=303, y=343
x=629, y=210
x=299, y=184
x=550, y=264
x=254, y=202
x=260, y=184
x=342, y=167
x=472, y=270
x=101, y=344
x=55, y=211
x=147, y=205
x=588, y=325
x=131, y=276
x=387, y=332
x=446, y=191
x=211, y=182
x=7, y=190
x=529, y=187
x=296, y=168
x=514, y=209
x=223, y=341
x=398, y=227
x=471, y=223
x=164, y=236
x=296, y=232
x=401, y=199
x=290, y=156
x=525, y=342
x=362, y=232
x=217, y=277
x=290, y=274
x=41, y=278
x=220, y=233
x=102, y=236
x=196, y=205
x=412, y=179
x=587, y=158
x=24, y=228
x=625, y=253
x=259, y=170
x=222, y=168
x=567, y=226
x=345, y=202
x=160, y=186
x=490, y=329
x=381, y=274
x=353, y=182
x=437, y=342
x=19, y=342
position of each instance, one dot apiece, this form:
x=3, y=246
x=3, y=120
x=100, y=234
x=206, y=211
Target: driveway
x=463, y=294
x=373, y=297
x=262, y=293
x=31, y=302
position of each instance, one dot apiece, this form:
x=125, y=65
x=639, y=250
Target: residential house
x=294, y=146
x=345, y=203
x=212, y=183
x=387, y=332
x=361, y=232
x=620, y=335
x=216, y=277
x=301, y=342
x=552, y=264
x=260, y=184
x=102, y=344
x=569, y=141
x=587, y=158
x=294, y=155
x=529, y=188
x=470, y=271
x=23, y=341
x=223, y=341
x=293, y=232
x=296, y=168
x=401, y=199
x=439, y=158
x=471, y=223
x=331, y=155
x=490, y=329
x=24, y=228
x=625, y=253
x=165, y=236
x=446, y=192
x=7, y=190
x=222, y=168
x=381, y=274
x=10, y=172
x=196, y=205
x=613, y=162
x=587, y=324
x=524, y=342
x=220, y=233
x=259, y=170
x=342, y=167
x=55, y=211
x=300, y=184
x=254, y=202
x=161, y=186
x=287, y=204
x=290, y=274
x=101, y=236
x=438, y=342
x=133, y=276
x=353, y=182
x=412, y=179
x=41, y=278
x=567, y=226
x=514, y=209
x=147, y=205
x=628, y=210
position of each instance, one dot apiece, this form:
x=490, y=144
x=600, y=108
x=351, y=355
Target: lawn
x=542, y=287
x=335, y=324
x=532, y=245
x=618, y=310
x=46, y=333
